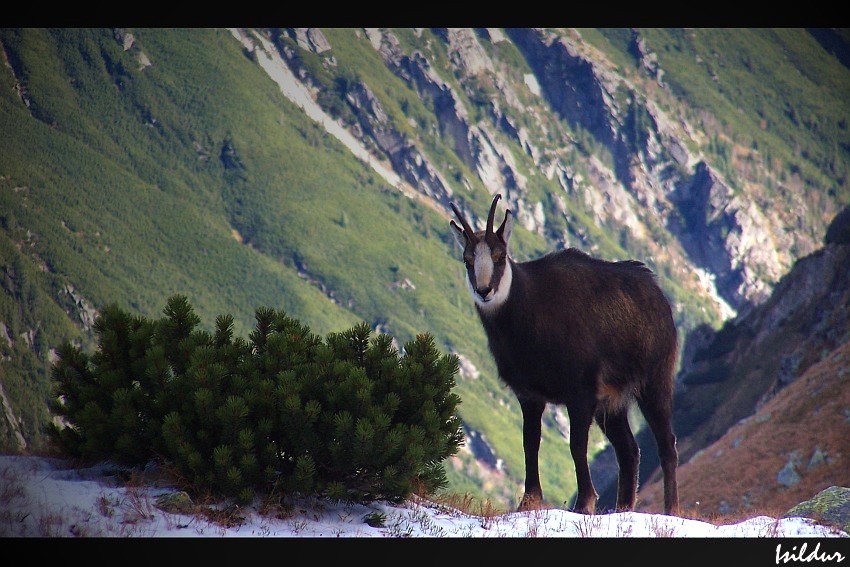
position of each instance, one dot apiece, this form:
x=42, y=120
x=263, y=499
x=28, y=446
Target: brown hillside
x=796, y=445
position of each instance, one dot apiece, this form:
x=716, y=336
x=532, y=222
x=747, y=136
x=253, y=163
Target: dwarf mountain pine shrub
x=347, y=417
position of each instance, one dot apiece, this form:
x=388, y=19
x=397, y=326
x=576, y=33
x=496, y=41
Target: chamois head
x=485, y=254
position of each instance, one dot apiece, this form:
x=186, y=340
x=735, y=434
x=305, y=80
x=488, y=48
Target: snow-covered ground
x=41, y=497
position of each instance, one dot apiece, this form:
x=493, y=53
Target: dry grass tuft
x=465, y=504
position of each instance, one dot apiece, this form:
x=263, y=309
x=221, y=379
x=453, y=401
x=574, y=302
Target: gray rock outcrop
x=831, y=506
x=311, y=39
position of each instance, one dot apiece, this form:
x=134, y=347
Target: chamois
x=590, y=334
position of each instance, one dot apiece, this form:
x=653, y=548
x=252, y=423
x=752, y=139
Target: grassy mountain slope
x=113, y=185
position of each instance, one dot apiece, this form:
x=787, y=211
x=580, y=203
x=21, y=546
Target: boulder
x=830, y=506
x=175, y=503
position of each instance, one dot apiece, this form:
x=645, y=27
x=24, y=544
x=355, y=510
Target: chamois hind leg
x=532, y=413
x=616, y=428
x=581, y=417
x=657, y=409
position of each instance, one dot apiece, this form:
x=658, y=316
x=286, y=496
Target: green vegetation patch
x=346, y=417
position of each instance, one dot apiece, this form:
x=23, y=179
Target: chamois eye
x=498, y=257
x=468, y=261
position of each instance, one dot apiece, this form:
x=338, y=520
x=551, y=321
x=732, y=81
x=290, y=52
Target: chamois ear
x=504, y=231
x=459, y=234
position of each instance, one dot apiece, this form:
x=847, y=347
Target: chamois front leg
x=532, y=413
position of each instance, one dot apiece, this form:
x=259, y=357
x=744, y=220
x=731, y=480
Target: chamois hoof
x=530, y=502
x=588, y=507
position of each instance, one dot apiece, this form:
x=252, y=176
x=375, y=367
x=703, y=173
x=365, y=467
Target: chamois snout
x=483, y=292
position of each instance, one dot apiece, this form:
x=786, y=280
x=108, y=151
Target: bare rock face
x=128, y=42
x=452, y=115
x=372, y=118
x=311, y=39
x=473, y=143
x=124, y=38
x=79, y=308
x=465, y=51
x=721, y=230
x=568, y=80
x=407, y=160
x=411, y=164
x=729, y=236
x=788, y=475
x=647, y=58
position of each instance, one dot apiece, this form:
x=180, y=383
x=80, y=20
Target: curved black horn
x=466, y=227
x=492, y=213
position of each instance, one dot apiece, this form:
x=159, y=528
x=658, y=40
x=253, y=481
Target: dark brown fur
x=594, y=336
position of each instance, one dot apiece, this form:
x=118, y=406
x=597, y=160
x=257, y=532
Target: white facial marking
x=483, y=273
x=483, y=265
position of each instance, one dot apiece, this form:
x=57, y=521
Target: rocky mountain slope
x=317, y=165
x=763, y=405
x=790, y=449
